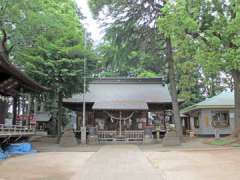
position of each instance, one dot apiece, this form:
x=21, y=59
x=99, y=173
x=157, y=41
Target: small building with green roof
x=215, y=110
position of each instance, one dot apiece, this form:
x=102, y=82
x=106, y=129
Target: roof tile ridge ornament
x=128, y=80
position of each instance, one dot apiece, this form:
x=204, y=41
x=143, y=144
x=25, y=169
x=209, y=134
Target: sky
x=92, y=26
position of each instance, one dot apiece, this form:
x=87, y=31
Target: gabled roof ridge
x=128, y=80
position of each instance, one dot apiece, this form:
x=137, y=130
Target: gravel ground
x=198, y=164
x=43, y=166
x=191, y=161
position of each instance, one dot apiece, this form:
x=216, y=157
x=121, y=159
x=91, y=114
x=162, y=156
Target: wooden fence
x=15, y=130
x=126, y=136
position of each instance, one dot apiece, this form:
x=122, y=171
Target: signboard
x=30, y=118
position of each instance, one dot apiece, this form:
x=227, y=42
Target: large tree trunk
x=236, y=77
x=59, y=119
x=173, y=86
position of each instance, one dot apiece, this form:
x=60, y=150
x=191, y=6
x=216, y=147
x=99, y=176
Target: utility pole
x=83, y=128
x=120, y=124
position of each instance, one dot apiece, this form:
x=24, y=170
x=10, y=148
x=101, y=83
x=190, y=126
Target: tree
x=48, y=41
x=219, y=38
x=122, y=62
x=213, y=27
x=131, y=38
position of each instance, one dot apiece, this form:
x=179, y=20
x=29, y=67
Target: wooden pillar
x=79, y=119
x=24, y=110
x=2, y=117
x=147, y=123
x=35, y=106
x=93, y=119
x=59, y=116
x=18, y=105
x=29, y=109
x=23, y=105
x=42, y=107
x=3, y=111
x=164, y=119
x=15, y=104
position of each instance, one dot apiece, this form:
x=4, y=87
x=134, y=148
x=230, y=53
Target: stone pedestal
x=92, y=137
x=171, y=139
x=93, y=140
x=217, y=133
x=148, y=137
x=68, y=138
x=83, y=135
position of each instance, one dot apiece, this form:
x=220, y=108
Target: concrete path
x=118, y=162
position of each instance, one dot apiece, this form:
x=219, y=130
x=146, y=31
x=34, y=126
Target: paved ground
x=125, y=162
x=118, y=162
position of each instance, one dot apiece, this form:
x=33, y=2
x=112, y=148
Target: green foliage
x=174, y=23
x=219, y=42
x=148, y=74
x=48, y=40
x=217, y=38
x=122, y=62
x=97, y=5
x=198, y=54
x=132, y=44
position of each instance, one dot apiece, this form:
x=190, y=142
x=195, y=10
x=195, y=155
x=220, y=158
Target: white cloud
x=91, y=25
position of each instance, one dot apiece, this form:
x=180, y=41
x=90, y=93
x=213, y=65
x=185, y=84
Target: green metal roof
x=222, y=100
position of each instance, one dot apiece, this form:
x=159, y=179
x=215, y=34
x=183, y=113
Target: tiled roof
x=124, y=93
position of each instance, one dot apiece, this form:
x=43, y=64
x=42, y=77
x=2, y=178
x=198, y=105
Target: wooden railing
x=126, y=136
x=6, y=130
x=135, y=135
x=106, y=135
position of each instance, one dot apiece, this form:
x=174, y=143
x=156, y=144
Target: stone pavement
x=118, y=162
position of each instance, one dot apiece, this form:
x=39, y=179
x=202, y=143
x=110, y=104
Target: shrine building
x=123, y=109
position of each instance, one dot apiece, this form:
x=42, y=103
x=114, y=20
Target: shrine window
x=221, y=118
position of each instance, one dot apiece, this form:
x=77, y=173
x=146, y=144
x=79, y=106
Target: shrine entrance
x=125, y=126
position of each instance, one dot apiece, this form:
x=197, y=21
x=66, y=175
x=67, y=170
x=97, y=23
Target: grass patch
x=221, y=142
